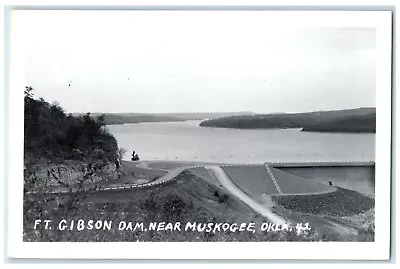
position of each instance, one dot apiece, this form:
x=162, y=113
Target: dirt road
x=226, y=182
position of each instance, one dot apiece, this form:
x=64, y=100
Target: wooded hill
x=50, y=133
x=126, y=118
x=349, y=120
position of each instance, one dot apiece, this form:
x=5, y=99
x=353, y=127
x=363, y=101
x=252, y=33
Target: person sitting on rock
x=135, y=157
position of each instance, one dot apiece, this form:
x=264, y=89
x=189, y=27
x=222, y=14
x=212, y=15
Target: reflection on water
x=186, y=141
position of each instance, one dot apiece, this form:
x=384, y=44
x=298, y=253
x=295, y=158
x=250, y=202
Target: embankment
x=41, y=175
x=360, y=177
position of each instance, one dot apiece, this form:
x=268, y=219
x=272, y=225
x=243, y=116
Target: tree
x=101, y=120
x=28, y=92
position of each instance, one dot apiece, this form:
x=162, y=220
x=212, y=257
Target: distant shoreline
x=129, y=118
x=360, y=120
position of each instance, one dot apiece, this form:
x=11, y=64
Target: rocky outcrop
x=69, y=173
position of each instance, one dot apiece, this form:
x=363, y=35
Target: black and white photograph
x=200, y=126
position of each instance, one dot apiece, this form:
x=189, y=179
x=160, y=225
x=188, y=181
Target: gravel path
x=226, y=182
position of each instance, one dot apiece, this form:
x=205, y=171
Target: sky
x=196, y=61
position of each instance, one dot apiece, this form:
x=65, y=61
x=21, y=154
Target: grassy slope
x=253, y=180
x=343, y=215
x=186, y=199
x=190, y=198
x=134, y=174
x=350, y=120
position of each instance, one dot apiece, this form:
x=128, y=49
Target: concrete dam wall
x=358, y=178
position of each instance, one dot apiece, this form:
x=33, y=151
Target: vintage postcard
x=178, y=133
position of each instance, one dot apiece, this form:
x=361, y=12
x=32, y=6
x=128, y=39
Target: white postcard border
x=378, y=250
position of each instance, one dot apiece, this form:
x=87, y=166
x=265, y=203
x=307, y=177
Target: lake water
x=186, y=141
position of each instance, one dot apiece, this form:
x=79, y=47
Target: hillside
x=206, y=115
x=355, y=123
x=191, y=198
x=126, y=118
x=50, y=133
x=349, y=120
x=112, y=119
x=186, y=199
x=61, y=149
